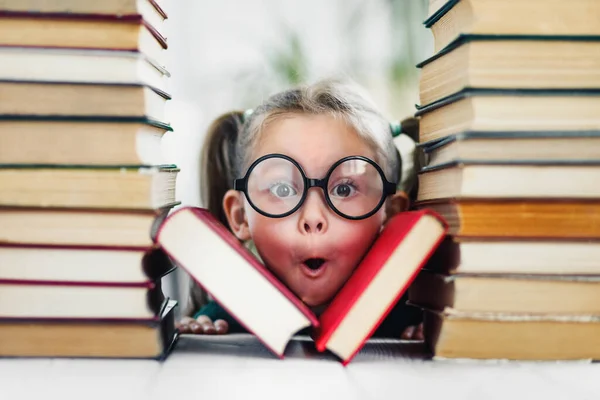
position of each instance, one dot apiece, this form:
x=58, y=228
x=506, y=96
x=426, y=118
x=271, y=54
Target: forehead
x=314, y=141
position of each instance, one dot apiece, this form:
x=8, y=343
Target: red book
x=217, y=261
x=150, y=10
x=83, y=31
x=93, y=265
x=382, y=277
x=92, y=337
x=22, y=300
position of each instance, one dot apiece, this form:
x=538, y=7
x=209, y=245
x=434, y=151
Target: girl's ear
x=396, y=203
x=233, y=205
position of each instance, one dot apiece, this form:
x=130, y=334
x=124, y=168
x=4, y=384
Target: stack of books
x=510, y=125
x=82, y=182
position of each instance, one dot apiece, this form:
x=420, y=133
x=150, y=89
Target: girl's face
x=314, y=250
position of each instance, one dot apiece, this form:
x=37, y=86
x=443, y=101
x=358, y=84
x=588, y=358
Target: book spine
x=151, y=285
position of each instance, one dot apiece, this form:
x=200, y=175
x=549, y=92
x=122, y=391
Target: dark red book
x=82, y=265
x=216, y=260
x=80, y=227
x=79, y=31
x=118, y=9
x=90, y=338
x=80, y=301
x=382, y=277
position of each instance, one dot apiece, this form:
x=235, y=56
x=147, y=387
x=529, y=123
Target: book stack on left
x=82, y=182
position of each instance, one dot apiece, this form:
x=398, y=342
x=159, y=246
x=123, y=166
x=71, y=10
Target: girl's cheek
x=271, y=230
x=359, y=231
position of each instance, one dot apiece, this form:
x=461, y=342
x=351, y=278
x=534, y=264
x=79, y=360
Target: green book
x=512, y=17
x=511, y=61
x=510, y=110
x=544, y=147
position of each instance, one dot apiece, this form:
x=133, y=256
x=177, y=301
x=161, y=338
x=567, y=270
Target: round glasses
x=275, y=185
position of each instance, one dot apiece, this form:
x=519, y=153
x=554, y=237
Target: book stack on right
x=510, y=127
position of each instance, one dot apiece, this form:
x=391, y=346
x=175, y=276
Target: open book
x=379, y=281
x=217, y=261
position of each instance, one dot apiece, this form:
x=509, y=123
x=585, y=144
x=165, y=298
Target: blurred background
x=231, y=54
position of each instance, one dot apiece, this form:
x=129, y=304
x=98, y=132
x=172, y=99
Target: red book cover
x=134, y=18
x=149, y=284
x=40, y=9
x=78, y=247
x=154, y=263
x=155, y=298
x=209, y=220
x=390, y=238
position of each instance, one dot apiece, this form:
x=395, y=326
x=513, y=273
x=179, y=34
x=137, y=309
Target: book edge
x=480, y=91
x=433, y=18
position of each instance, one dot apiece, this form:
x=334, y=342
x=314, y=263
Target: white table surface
x=238, y=366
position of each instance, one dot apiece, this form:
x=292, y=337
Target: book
x=75, y=300
x=511, y=256
x=510, y=181
x=128, y=33
x=512, y=17
x=80, y=66
x=149, y=10
x=508, y=293
x=96, y=228
x=499, y=62
x=452, y=334
x=518, y=218
x=152, y=338
x=502, y=110
x=81, y=99
x=434, y=7
x=382, y=277
x=82, y=140
x=82, y=265
x=87, y=186
x=217, y=261
x=471, y=147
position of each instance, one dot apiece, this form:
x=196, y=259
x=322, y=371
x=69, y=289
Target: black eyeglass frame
x=241, y=185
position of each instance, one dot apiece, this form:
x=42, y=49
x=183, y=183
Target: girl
x=311, y=237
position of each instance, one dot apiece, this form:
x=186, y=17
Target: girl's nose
x=313, y=213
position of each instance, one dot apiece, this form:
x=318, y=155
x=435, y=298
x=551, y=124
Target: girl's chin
x=316, y=302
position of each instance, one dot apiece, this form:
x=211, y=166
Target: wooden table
x=238, y=366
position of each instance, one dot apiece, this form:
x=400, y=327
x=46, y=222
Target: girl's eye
x=283, y=190
x=343, y=190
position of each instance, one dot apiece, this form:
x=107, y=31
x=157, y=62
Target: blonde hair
x=340, y=99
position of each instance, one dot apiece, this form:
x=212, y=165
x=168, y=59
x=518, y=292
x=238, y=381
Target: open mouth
x=314, y=263
x=314, y=267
